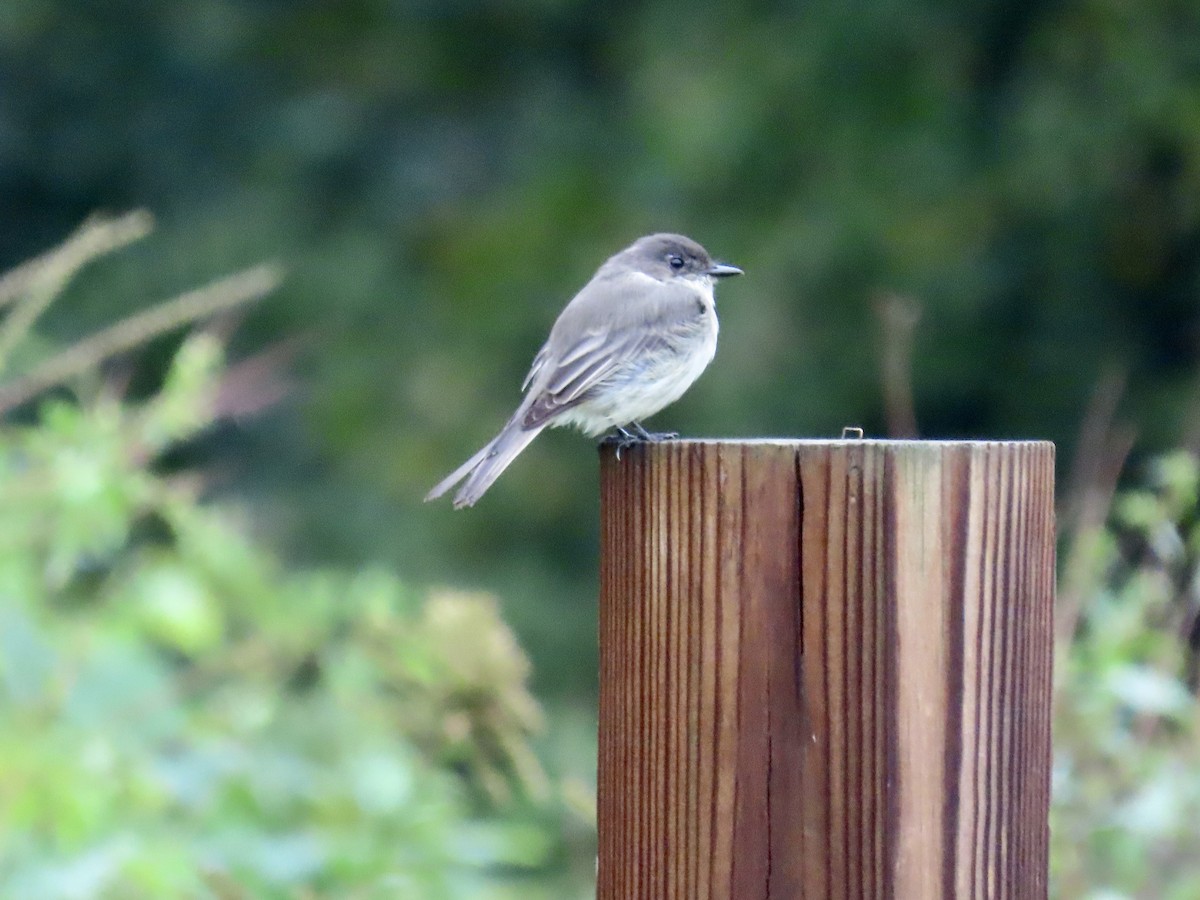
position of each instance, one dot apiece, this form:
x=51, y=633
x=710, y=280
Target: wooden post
x=825, y=670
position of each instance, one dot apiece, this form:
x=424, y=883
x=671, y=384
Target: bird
x=630, y=343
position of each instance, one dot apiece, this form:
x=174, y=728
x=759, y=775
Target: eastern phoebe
x=630, y=343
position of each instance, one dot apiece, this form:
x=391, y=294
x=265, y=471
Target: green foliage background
x=437, y=178
x=181, y=717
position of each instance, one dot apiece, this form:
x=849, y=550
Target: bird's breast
x=655, y=377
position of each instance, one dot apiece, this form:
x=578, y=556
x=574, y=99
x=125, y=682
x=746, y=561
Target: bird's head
x=669, y=256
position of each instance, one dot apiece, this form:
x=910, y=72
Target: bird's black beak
x=723, y=270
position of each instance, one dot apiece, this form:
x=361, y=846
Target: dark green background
x=439, y=177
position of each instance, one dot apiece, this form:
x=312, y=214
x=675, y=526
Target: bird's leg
x=645, y=435
x=636, y=434
x=622, y=440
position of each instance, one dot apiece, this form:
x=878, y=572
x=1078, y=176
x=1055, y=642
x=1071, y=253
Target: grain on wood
x=825, y=670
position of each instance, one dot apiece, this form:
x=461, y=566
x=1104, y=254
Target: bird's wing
x=565, y=371
x=538, y=362
x=569, y=384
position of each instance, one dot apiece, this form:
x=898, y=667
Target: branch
x=135, y=330
x=95, y=237
x=33, y=286
x=898, y=317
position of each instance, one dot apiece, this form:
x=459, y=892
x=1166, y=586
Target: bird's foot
x=635, y=434
x=621, y=440
x=652, y=436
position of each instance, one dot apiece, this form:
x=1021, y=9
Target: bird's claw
x=621, y=440
x=652, y=436
x=635, y=434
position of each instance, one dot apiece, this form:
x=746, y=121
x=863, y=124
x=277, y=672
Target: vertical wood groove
x=825, y=670
x=957, y=522
x=886, y=697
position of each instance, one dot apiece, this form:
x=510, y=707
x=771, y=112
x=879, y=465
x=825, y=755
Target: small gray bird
x=630, y=343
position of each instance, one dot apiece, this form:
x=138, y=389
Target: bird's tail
x=485, y=466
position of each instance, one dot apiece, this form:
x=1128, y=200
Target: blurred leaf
x=1147, y=691
x=27, y=659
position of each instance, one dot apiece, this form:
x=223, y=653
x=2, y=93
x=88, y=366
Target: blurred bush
x=180, y=716
x=1126, y=799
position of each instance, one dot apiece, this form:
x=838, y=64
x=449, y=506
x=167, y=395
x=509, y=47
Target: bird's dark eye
x=675, y=261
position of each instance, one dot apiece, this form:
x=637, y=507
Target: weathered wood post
x=825, y=670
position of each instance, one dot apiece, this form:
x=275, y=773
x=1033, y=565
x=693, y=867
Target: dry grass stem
x=222, y=295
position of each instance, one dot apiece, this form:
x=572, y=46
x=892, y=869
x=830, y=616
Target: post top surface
x=844, y=442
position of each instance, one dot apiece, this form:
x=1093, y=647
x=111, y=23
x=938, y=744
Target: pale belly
x=647, y=386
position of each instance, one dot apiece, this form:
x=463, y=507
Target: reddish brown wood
x=825, y=670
